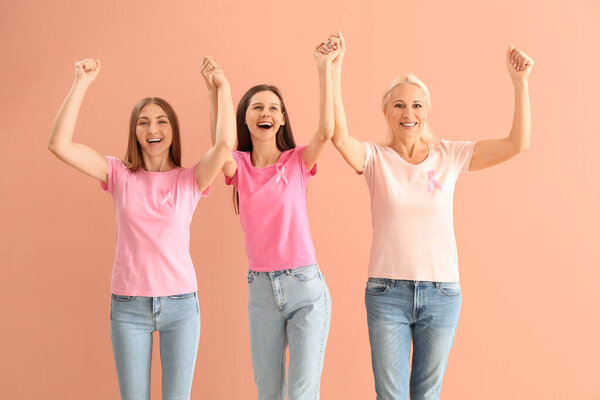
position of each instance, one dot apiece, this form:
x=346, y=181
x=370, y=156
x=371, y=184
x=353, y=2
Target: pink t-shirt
x=273, y=211
x=154, y=211
x=411, y=207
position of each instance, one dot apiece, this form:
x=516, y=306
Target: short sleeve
x=115, y=167
x=190, y=181
x=368, y=159
x=302, y=164
x=234, y=180
x=461, y=153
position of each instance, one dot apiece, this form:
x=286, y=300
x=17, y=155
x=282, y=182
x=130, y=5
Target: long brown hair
x=134, y=150
x=284, y=137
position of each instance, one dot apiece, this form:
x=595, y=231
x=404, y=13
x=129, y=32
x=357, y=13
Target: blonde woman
x=413, y=294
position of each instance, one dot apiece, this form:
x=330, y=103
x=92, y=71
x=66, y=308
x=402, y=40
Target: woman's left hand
x=519, y=65
x=327, y=51
x=212, y=73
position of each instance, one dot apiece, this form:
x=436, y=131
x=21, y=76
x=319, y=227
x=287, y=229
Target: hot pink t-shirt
x=154, y=211
x=273, y=211
x=411, y=207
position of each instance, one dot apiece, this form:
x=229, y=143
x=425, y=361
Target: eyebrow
x=144, y=117
x=402, y=101
x=259, y=103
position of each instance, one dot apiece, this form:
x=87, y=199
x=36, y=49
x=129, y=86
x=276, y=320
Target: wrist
x=224, y=86
x=81, y=84
x=324, y=65
x=521, y=84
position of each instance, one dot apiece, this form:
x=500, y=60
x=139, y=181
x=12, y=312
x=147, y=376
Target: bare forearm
x=520, y=133
x=64, y=124
x=326, y=108
x=213, y=110
x=340, y=132
x=225, y=124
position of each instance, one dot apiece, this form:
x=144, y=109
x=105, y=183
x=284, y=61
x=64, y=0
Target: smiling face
x=153, y=130
x=406, y=110
x=264, y=116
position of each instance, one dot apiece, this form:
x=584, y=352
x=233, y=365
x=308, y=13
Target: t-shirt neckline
x=409, y=163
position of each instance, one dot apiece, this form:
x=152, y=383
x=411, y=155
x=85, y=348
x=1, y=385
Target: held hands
x=330, y=51
x=213, y=74
x=519, y=65
x=87, y=70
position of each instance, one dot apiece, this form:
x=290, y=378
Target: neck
x=264, y=153
x=160, y=163
x=408, y=145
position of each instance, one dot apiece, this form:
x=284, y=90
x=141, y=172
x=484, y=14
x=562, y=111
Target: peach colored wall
x=526, y=229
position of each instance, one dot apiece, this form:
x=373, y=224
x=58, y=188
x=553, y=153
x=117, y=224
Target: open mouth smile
x=265, y=125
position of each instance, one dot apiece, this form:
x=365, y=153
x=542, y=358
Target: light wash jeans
x=133, y=319
x=290, y=306
x=402, y=312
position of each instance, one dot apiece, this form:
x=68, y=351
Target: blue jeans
x=291, y=306
x=402, y=312
x=133, y=319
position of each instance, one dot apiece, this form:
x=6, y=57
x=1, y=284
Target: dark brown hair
x=134, y=150
x=284, y=137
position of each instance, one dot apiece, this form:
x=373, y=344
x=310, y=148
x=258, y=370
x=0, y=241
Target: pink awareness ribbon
x=433, y=183
x=167, y=199
x=280, y=169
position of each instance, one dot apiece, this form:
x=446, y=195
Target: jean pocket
x=251, y=275
x=450, y=289
x=182, y=296
x=376, y=287
x=118, y=297
x=305, y=274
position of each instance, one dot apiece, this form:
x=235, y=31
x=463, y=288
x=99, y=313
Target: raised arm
x=352, y=149
x=491, y=152
x=83, y=158
x=223, y=116
x=208, y=68
x=324, y=54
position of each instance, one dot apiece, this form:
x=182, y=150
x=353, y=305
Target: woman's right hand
x=213, y=74
x=87, y=70
x=341, y=44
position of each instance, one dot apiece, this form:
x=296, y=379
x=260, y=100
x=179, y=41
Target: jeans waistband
x=288, y=271
x=405, y=282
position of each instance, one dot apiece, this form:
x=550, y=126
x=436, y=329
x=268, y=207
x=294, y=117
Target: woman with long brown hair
x=289, y=302
x=153, y=284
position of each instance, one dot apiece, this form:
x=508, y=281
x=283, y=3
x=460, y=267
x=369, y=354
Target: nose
x=153, y=127
x=264, y=113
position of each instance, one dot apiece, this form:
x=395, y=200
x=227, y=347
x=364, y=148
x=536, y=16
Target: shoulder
x=117, y=164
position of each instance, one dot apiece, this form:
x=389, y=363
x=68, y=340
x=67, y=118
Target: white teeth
x=154, y=140
x=408, y=124
x=265, y=125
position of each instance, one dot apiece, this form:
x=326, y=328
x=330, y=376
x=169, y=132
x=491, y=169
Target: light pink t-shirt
x=154, y=211
x=411, y=207
x=273, y=211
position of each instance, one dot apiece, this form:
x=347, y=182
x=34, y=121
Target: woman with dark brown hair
x=289, y=302
x=153, y=284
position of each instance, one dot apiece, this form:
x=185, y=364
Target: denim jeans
x=133, y=319
x=401, y=313
x=292, y=307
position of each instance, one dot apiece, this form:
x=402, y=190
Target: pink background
x=525, y=229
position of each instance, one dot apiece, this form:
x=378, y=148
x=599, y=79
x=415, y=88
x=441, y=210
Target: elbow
x=54, y=148
x=226, y=143
x=327, y=134
x=521, y=148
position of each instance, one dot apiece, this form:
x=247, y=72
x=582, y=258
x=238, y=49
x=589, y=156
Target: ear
x=282, y=119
